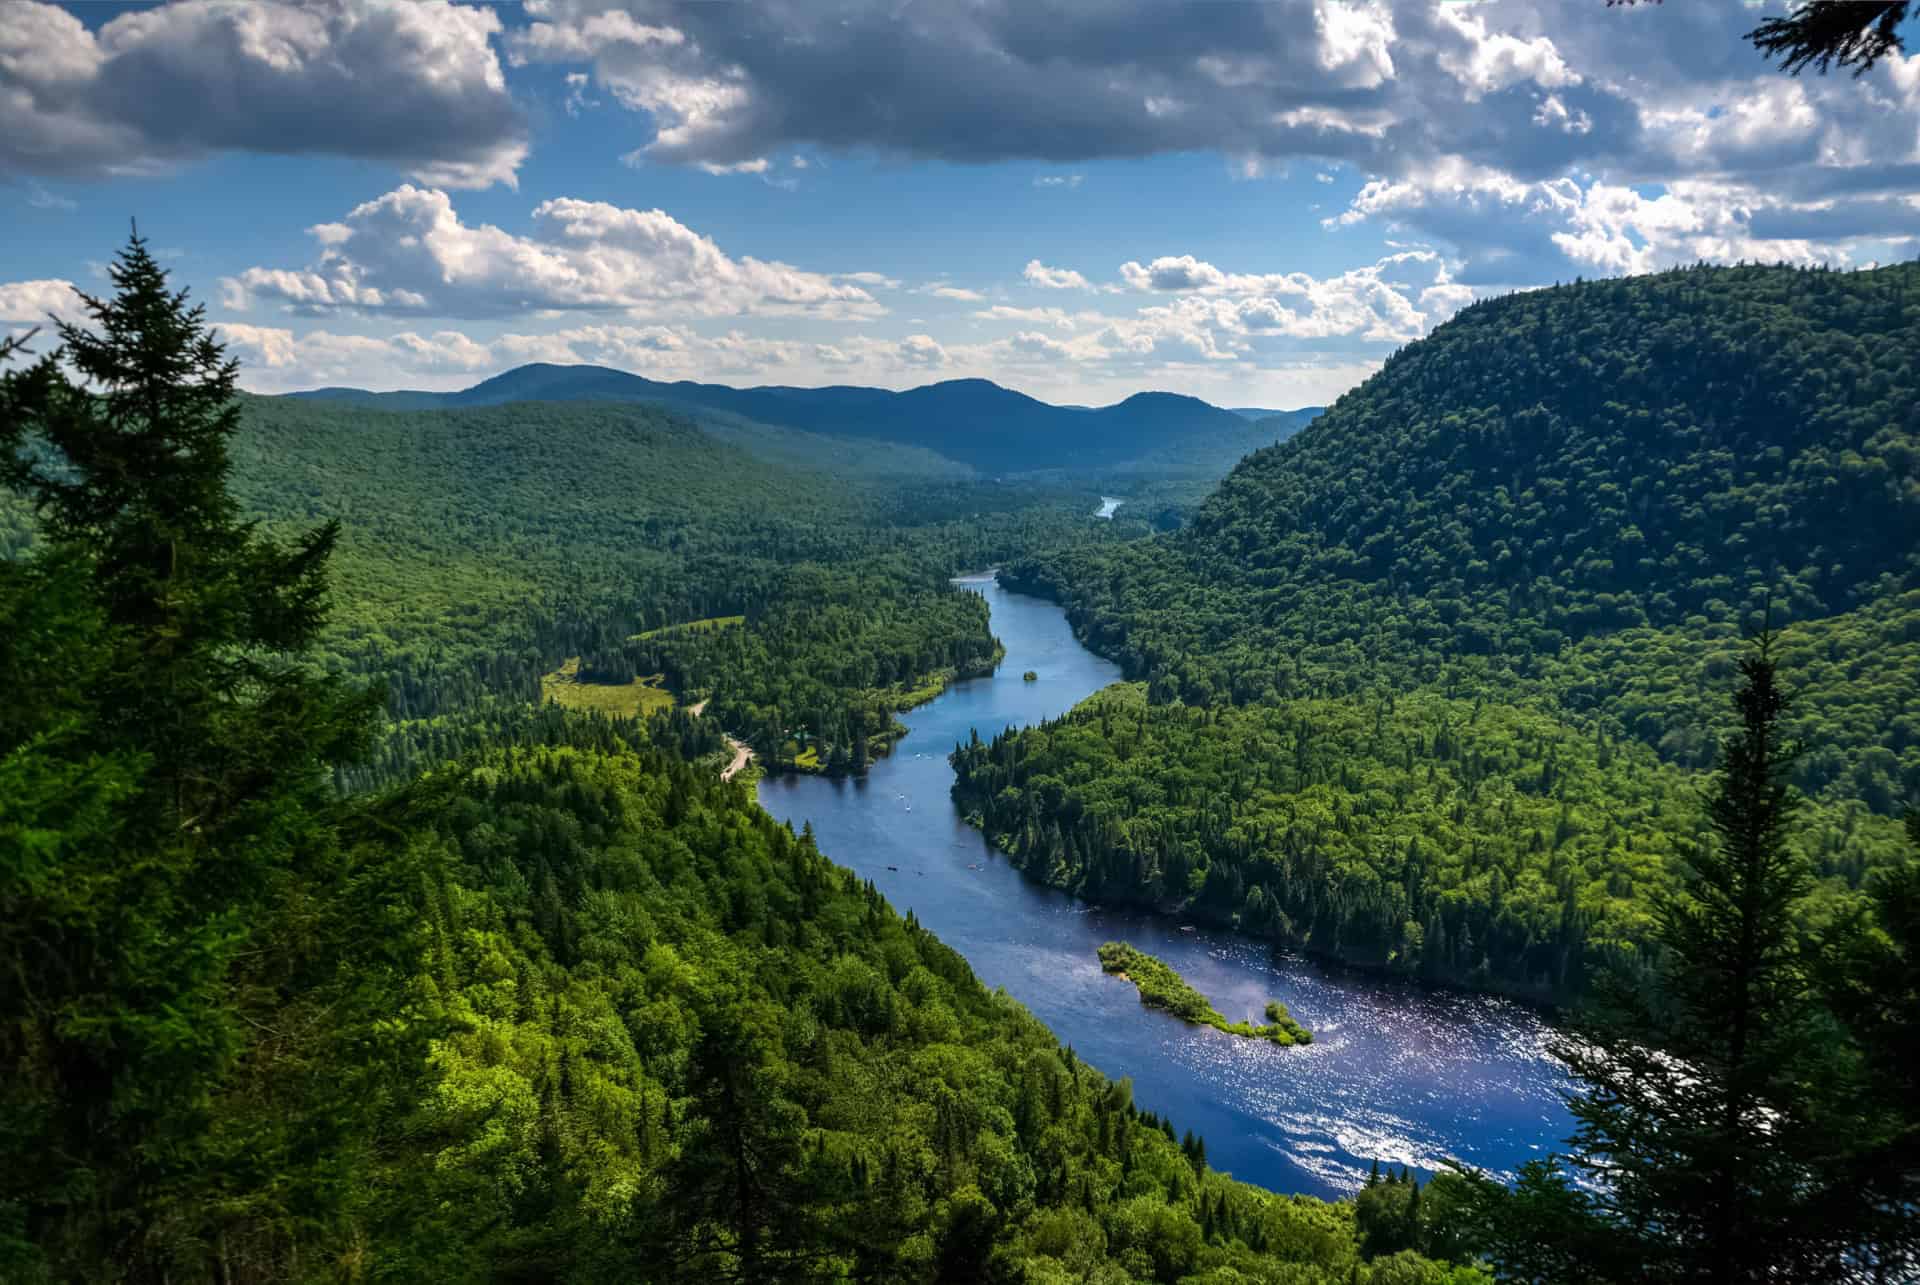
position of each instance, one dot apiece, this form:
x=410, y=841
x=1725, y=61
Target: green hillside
x=1456, y=840
x=1578, y=501
x=483, y=548
x=570, y=1008
x=686, y=979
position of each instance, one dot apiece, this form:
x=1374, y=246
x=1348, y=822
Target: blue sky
x=1252, y=203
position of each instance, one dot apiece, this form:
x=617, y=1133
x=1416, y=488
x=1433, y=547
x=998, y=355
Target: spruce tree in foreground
x=1702, y=1118
x=193, y=959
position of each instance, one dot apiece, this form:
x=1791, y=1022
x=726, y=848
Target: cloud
x=758, y=165
x=1512, y=232
x=1059, y=180
x=1039, y=274
x=1223, y=314
x=409, y=252
x=991, y=82
x=1032, y=343
x=31, y=301
x=41, y=199
x=922, y=350
x=959, y=293
x=1037, y=316
x=1222, y=331
x=416, y=86
x=577, y=101
x=1645, y=97
x=1485, y=61
x=1171, y=272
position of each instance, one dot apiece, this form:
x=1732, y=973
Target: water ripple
x=1396, y=1073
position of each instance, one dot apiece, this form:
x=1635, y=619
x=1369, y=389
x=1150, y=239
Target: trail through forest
x=742, y=752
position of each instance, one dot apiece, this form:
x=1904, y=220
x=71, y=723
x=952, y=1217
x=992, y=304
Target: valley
x=1394, y=1071
x=633, y=840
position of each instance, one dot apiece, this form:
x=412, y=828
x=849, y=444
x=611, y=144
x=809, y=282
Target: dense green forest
x=570, y=1007
x=817, y=675
x=481, y=549
x=1567, y=508
x=1664, y=454
x=1450, y=839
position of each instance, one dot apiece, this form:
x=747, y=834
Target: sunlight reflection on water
x=1395, y=1073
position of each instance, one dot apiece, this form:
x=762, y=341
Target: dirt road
x=742, y=755
x=742, y=752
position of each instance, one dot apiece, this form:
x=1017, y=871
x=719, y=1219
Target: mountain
x=1208, y=457
x=1506, y=581
x=1555, y=469
x=1285, y=423
x=973, y=421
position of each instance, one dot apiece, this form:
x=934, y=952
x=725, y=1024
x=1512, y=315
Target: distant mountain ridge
x=974, y=421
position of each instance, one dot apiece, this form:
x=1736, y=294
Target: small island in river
x=1161, y=987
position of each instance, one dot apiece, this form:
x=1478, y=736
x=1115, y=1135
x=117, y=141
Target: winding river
x=1396, y=1072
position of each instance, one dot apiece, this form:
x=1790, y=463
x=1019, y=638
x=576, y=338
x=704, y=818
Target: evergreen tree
x=1699, y=1115
x=1823, y=33
x=185, y=929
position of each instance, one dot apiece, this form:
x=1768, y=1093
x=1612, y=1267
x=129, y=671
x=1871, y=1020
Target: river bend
x=1396, y=1072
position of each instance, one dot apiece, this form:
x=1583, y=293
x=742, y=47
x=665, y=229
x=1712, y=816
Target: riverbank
x=1396, y=1071
x=899, y=699
x=1549, y=1004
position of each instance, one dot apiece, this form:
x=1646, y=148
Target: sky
x=1253, y=203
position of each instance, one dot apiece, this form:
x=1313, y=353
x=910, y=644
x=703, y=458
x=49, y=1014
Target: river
x=1395, y=1073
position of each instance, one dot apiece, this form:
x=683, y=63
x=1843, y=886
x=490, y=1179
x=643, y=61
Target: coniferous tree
x=1700, y=1112
x=184, y=927
x=1823, y=33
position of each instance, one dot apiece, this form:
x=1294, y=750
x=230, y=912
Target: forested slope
x=684, y=1046
x=1579, y=499
x=482, y=548
x=1451, y=839
x=572, y=1008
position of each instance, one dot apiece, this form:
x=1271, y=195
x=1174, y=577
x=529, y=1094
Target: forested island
x=1161, y=987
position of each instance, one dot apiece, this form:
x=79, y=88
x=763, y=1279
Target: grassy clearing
x=1161, y=987
x=808, y=760
x=693, y=626
x=636, y=699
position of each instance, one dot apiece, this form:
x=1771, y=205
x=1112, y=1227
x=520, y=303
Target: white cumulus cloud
x=409, y=251
x=1039, y=274
x=416, y=86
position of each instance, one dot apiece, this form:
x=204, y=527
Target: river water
x=1396, y=1072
